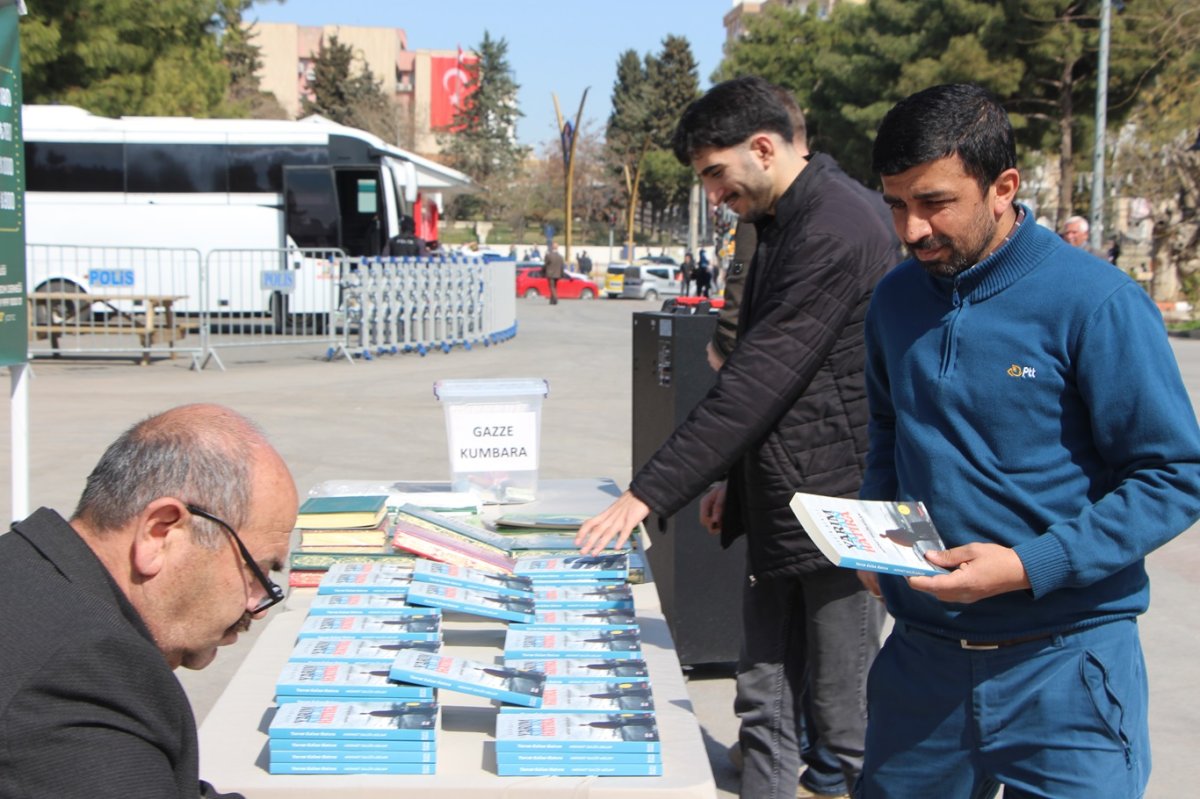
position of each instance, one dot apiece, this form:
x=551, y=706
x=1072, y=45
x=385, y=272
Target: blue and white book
x=619, y=619
x=351, y=755
x=477, y=603
x=369, y=578
x=351, y=745
x=616, y=732
x=410, y=627
x=567, y=769
x=470, y=677
x=612, y=566
x=362, y=680
x=394, y=603
x=583, y=596
x=366, y=720
x=553, y=758
x=277, y=767
x=565, y=644
x=431, y=571
x=593, y=697
x=347, y=650
x=583, y=670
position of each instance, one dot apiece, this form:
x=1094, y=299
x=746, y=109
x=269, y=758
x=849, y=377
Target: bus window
x=311, y=207
x=169, y=167
x=74, y=166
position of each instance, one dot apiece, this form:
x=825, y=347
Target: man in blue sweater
x=1026, y=392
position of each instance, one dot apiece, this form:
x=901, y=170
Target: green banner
x=14, y=327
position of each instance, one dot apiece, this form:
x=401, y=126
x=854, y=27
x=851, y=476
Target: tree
x=481, y=140
x=350, y=95
x=245, y=97
x=115, y=57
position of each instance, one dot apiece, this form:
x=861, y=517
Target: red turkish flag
x=448, y=89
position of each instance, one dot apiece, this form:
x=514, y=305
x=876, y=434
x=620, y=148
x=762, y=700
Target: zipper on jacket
x=950, y=343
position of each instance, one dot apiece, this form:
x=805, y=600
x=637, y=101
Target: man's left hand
x=977, y=571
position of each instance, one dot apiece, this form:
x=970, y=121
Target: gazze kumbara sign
x=493, y=442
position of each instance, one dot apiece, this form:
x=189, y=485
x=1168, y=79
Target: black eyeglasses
x=275, y=594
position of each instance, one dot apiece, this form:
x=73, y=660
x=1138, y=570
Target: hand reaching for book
x=616, y=522
x=977, y=571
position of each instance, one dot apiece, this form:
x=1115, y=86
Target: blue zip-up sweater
x=1031, y=401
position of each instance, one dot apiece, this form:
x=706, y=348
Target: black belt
x=966, y=643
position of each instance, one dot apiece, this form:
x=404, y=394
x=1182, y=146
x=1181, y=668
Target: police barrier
x=113, y=300
x=168, y=300
x=408, y=304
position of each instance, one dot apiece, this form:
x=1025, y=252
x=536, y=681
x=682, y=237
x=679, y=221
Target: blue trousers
x=815, y=634
x=1058, y=718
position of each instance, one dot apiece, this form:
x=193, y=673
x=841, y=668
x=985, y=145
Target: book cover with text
x=584, y=669
x=470, y=677
x=346, y=650
x=381, y=604
x=429, y=571
x=583, y=596
x=379, y=720
x=426, y=626
x=593, y=697
x=623, y=619
x=890, y=537
x=613, y=566
x=477, y=603
x=565, y=644
x=362, y=679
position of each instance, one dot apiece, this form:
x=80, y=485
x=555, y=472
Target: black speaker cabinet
x=699, y=583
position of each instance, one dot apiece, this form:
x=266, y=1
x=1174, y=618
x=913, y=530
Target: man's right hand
x=712, y=506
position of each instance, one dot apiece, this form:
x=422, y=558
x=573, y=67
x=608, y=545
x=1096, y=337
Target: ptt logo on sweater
x=1022, y=372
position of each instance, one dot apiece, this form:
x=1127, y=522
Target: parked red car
x=572, y=286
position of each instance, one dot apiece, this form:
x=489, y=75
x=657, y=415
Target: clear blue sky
x=561, y=47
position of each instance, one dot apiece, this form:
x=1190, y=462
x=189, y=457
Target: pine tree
x=349, y=95
x=245, y=97
x=481, y=139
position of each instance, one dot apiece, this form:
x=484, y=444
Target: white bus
x=212, y=185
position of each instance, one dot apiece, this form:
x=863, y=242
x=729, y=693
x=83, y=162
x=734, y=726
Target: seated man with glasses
x=165, y=559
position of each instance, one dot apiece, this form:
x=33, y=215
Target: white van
x=651, y=281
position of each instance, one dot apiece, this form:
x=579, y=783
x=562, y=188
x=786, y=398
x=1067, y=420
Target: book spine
x=346, y=745
x=300, y=693
x=885, y=568
x=648, y=758
x=353, y=756
x=589, y=770
x=277, y=767
x=511, y=745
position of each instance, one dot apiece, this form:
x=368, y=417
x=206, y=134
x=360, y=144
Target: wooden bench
x=150, y=326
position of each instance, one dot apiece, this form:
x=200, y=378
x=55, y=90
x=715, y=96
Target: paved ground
x=379, y=420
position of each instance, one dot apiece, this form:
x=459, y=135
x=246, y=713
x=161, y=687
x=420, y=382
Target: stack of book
x=553, y=535
x=332, y=529
x=314, y=736
x=593, y=744
x=466, y=676
x=489, y=594
x=382, y=577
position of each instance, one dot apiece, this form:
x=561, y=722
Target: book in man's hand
x=872, y=535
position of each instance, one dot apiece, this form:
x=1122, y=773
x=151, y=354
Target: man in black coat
x=148, y=575
x=788, y=413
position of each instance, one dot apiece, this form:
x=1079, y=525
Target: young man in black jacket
x=788, y=413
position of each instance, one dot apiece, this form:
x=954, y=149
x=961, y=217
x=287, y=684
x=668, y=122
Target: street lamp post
x=1097, y=208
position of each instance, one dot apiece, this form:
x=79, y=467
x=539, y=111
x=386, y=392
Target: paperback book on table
x=614, y=566
x=358, y=578
x=469, y=677
x=282, y=767
x=349, y=650
x=430, y=571
x=431, y=520
x=584, y=596
x=568, y=768
x=565, y=644
x=489, y=604
x=345, y=681
x=871, y=535
x=580, y=619
x=541, y=521
x=583, y=669
x=425, y=626
x=322, y=513
x=356, y=720
x=434, y=543
x=585, y=732
x=279, y=755
x=593, y=697
x=337, y=745
x=552, y=757
x=390, y=604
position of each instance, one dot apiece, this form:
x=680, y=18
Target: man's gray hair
x=1077, y=220
x=200, y=454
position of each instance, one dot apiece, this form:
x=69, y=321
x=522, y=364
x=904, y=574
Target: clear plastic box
x=494, y=428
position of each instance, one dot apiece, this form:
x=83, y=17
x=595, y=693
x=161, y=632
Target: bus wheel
x=58, y=311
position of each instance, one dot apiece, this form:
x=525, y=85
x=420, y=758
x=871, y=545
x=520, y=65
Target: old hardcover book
x=352, y=511
x=422, y=517
x=890, y=537
x=470, y=677
x=449, y=547
x=367, y=720
x=364, y=537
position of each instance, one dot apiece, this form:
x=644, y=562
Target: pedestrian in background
x=553, y=268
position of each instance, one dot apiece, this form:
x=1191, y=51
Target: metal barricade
x=142, y=301
x=397, y=305
x=266, y=298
